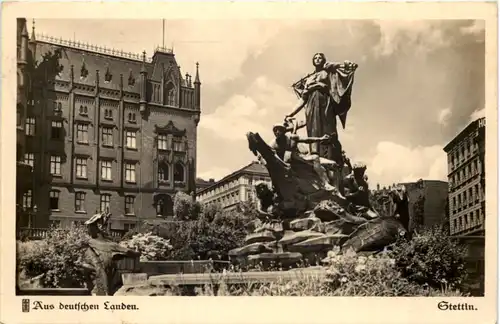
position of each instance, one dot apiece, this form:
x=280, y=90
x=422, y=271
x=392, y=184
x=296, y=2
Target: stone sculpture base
x=311, y=217
x=310, y=238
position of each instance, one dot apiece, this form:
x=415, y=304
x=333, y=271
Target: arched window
x=170, y=94
x=59, y=107
x=164, y=206
x=178, y=172
x=163, y=172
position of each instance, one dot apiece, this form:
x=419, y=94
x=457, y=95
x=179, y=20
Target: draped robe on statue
x=324, y=105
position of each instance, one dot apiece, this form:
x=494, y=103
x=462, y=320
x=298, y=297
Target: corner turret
x=197, y=88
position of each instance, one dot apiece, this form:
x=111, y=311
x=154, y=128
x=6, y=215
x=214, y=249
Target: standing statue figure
x=325, y=94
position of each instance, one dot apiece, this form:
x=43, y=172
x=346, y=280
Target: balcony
x=41, y=233
x=32, y=233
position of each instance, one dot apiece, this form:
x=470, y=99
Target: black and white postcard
x=253, y=151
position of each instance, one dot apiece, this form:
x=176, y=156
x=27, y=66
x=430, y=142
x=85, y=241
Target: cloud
x=393, y=163
x=444, y=116
x=478, y=113
x=259, y=106
x=234, y=119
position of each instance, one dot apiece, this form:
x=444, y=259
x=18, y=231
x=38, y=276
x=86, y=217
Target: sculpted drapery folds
x=325, y=94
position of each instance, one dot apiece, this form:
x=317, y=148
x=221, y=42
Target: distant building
x=427, y=203
x=235, y=188
x=103, y=129
x=202, y=184
x=466, y=178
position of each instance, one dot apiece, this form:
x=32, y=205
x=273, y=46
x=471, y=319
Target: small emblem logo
x=26, y=305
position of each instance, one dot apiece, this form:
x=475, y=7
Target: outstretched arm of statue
x=309, y=140
x=333, y=66
x=299, y=126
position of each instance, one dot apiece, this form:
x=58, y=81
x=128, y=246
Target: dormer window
x=170, y=93
x=108, y=76
x=83, y=71
x=131, y=79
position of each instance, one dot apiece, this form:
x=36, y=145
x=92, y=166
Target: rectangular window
x=55, y=165
x=131, y=139
x=56, y=131
x=129, y=205
x=27, y=199
x=178, y=145
x=80, y=201
x=130, y=172
x=105, y=201
x=107, y=136
x=81, y=168
x=128, y=227
x=30, y=126
x=106, y=170
x=29, y=158
x=162, y=142
x=54, y=200
x=82, y=133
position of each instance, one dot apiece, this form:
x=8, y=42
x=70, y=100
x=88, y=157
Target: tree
x=185, y=208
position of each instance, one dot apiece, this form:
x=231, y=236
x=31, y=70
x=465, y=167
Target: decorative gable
x=170, y=128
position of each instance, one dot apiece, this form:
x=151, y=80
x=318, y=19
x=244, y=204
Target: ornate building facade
x=106, y=130
x=235, y=188
x=466, y=178
x=24, y=174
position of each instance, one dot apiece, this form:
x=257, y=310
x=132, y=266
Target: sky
x=419, y=83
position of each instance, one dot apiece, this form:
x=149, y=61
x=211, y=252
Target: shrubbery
x=209, y=235
x=55, y=257
x=151, y=247
x=431, y=258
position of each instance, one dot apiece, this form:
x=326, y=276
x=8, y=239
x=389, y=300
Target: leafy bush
x=211, y=235
x=56, y=257
x=185, y=208
x=152, y=247
x=432, y=258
